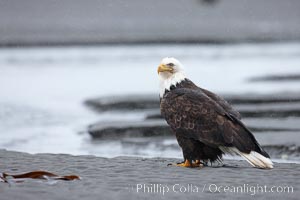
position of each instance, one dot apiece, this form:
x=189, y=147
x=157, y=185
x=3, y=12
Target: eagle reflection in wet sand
x=205, y=125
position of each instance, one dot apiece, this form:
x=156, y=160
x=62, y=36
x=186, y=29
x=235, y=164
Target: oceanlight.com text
x=250, y=189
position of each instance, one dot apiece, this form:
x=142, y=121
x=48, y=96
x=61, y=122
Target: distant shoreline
x=98, y=22
x=134, y=43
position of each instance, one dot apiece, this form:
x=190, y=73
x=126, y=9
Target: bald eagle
x=205, y=125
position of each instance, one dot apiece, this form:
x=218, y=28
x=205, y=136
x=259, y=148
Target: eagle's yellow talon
x=197, y=164
x=187, y=163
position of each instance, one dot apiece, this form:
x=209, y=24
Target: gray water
x=42, y=91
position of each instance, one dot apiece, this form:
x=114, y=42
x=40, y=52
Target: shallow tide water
x=42, y=90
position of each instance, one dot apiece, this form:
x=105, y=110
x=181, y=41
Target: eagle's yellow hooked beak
x=164, y=68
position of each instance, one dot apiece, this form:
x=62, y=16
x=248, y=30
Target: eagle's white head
x=170, y=72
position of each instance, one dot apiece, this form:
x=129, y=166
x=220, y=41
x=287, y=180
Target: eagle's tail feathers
x=258, y=160
x=254, y=158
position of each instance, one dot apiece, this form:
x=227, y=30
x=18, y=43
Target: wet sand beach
x=144, y=178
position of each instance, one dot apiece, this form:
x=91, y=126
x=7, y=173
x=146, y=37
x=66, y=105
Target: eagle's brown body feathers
x=203, y=122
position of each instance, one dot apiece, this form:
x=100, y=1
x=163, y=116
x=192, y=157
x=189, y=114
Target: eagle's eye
x=171, y=64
